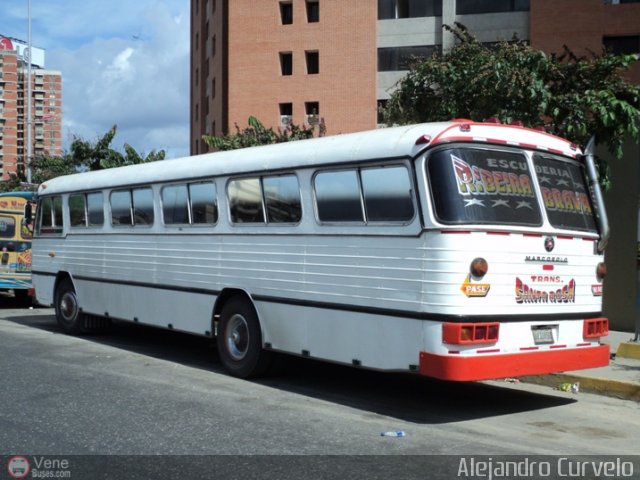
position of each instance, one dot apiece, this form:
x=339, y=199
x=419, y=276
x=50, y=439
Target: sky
x=123, y=62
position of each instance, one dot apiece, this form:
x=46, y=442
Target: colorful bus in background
x=16, y=233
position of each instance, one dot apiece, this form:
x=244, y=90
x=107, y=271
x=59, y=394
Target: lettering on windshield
x=476, y=180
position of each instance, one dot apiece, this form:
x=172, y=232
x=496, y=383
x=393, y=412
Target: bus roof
x=394, y=142
x=25, y=195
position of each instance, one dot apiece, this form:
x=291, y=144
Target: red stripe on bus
x=564, y=237
x=533, y=235
x=484, y=367
x=547, y=267
x=586, y=344
x=488, y=350
x=557, y=346
x=525, y=349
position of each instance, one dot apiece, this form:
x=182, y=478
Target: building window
x=473, y=7
x=312, y=111
x=286, y=13
x=622, y=44
x=213, y=88
x=213, y=46
x=286, y=63
x=394, y=59
x=313, y=62
x=382, y=104
x=286, y=108
x=313, y=11
x=286, y=114
x=393, y=9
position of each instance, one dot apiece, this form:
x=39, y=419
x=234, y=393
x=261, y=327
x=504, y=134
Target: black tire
x=239, y=340
x=68, y=312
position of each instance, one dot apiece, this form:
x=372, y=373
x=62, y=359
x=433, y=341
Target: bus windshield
x=564, y=194
x=475, y=185
x=482, y=186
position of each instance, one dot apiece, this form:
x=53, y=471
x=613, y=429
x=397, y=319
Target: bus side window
x=387, y=194
x=245, y=200
x=282, y=198
x=142, y=206
x=120, y=201
x=95, y=211
x=175, y=205
x=204, y=204
x=338, y=196
x=50, y=216
x=77, y=211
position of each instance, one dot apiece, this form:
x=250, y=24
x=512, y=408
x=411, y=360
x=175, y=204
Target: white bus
x=456, y=250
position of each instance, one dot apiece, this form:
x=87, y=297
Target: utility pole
x=29, y=100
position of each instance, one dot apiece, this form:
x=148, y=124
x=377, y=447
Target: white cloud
x=122, y=62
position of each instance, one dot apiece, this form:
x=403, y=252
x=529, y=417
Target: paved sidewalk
x=621, y=378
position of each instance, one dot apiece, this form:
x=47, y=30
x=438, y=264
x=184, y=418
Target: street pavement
x=621, y=378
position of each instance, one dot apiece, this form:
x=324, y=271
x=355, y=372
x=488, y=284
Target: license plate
x=542, y=335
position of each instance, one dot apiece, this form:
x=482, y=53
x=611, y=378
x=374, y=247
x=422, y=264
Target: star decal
x=524, y=204
x=563, y=182
x=545, y=180
x=498, y=203
x=473, y=201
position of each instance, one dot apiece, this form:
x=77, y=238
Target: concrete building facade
x=46, y=110
x=280, y=59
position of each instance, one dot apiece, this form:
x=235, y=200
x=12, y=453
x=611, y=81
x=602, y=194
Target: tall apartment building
x=46, y=107
x=302, y=60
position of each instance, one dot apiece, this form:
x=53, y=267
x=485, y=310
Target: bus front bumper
x=490, y=366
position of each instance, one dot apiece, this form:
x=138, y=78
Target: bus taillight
x=470, y=333
x=479, y=267
x=601, y=271
x=595, y=328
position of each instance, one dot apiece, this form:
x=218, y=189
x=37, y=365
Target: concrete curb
x=601, y=386
x=629, y=350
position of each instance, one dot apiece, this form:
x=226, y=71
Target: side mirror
x=28, y=213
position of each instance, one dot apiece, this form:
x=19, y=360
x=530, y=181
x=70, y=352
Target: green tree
x=257, y=134
x=83, y=155
x=87, y=155
x=573, y=97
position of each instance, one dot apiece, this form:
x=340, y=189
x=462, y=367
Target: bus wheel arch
x=239, y=335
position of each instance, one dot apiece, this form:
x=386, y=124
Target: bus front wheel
x=67, y=309
x=239, y=340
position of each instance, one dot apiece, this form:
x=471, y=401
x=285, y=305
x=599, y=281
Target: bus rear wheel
x=239, y=340
x=68, y=311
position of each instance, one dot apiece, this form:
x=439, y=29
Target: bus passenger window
x=338, y=197
x=204, y=204
x=245, y=201
x=77, y=212
x=282, y=198
x=387, y=194
x=95, y=209
x=57, y=212
x=143, y=206
x=49, y=215
x=121, y=207
x=175, y=206
x=7, y=226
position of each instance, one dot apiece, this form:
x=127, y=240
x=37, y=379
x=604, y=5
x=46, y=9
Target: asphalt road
x=143, y=391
